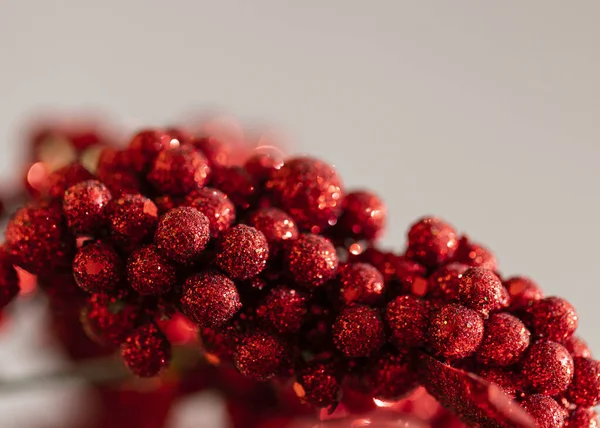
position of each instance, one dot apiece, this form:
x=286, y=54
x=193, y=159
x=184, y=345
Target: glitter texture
x=443, y=283
x=63, y=178
x=98, y=268
x=145, y=147
x=582, y=418
x=85, y=206
x=149, y=273
x=431, y=241
x=179, y=170
x=455, y=331
x=262, y=166
x=237, y=184
x=549, y=367
x=578, y=347
x=312, y=260
x=358, y=331
x=546, y=412
x=182, y=234
x=473, y=254
x=511, y=383
x=133, y=219
x=242, y=252
x=552, y=318
x=522, y=291
x=364, y=216
x=277, y=226
x=391, y=377
x=481, y=290
x=319, y=383
x=259, y=356
x=283, y=310
x=216, y=206
x=109, y=318
x=146, y=351
x=360, y=283
x=9, y=281
x=505, y=340
x=585, y=388
x=407, y=318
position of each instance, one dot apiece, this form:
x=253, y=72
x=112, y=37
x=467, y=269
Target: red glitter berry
x=310, y=190
x=481, y=290
x=98, y=268
x=505, y=340
x=179, y=170
x=242, y=252
x=391, y=377
x=312, y=260
x=431, y=241
x=133, y=219
x=476, y=255
x=358, y=331
x=549, y=367
x=455, y=331
x=109, y=318
x=545, y=411
x=578, y=347
x=210, y=299
x=277, y=226
x=61, y=179
x=259, y=356
x=552, y=318
x=85, y=206
x=360, y=283
x=582, y=418
x=149, y=273
x=216, y=206
x=522, y=291
x=283, y=310
x=364, y=216
x=237, y=184
x=407, y=318
x=9, y=280
x=443, y=283
x=146, y=351
x=584, y=391
x=318, y=384
x=145, y=147
x=182, y=234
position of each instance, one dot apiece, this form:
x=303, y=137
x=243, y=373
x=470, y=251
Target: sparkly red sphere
x=259, y=356
x=584, y=391
x=407, y=318
x=262, y=166
x=210, y=299
x=431, y=241
x=319, y=384
x=133, y=219
x=146, y=351
x=237, y=184
x=85, y=206
x=360, y=283
x=213, y=149
x=277, y=226
x=455, y=331
x=443, y=282
x=545, y=411
x=522, y=291
x=364, y=216
x=549, y=367
x=578, y=347
x=149, y=273
x=242, y=252
x=582, y=418
x=391, y=377
x=182, y=234
x=63, y=178
x=9, y=280
x=97, y=268
x=505, y=340
x=179, y=170
x=310, y=190
x=480, y=289
x=312, y=260
x=282, y=310
x=358, y=331
x=552, y=318
x=216, y=206
x=473, y=254
x=109, y=318
x=145, y=147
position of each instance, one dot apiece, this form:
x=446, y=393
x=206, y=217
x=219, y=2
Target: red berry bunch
x=278, y=266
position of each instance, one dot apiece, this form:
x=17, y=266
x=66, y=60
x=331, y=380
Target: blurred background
x=484, y=113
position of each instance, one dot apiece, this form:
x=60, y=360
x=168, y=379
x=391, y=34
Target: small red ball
x=549, y=367
x=320, y=385
x=358, y=331
x=584, y=391
x=109, y=318
x=432, y=241
x=407, y=318
x=364, y=216
x=149, y=273
x=582, y=418
x=9, y=280
x=391, y=377
x=552, y=318
x=480, y=289
x=179, y=170
x=259, y=356
x=455, y=331
x=85, y=206
x=505, y=340
x=443, y=283
x=242, y=252
x=97, y=268
x=473, y=254
x=61, y=179
x=182, y=234
x=145, y=147
x=360, y=283
x=312, y=260
x=133, y=219
x=237, y=184
x=213, y=149
x=210, y=299
x=216, y=206
x=283, y=310
x=310, y=190
x=277, y=226
x=545, y=411
x=578, y=347
x=146, y=351
x=522, y=291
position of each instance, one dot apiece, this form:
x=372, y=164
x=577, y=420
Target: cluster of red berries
x=277, y=265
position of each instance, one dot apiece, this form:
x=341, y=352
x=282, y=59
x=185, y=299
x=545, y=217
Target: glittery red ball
x=133, y=219
x=455, y=331
x=431, y=241
x=146, y=351
x=312, y=260
x=480, y=289
x=109, y=318
x=236, y=183
x=407, y=318
x=360, y=283
x=473, y=254
x=242, y=252
x=149, y=273
x=179, y=170
x=310, y=190
x=319, y=383
x=511, y=383
x=545, y=411
x=262, y=166
x=582, y=418
x=364, y=216
x=505, y=340
x=552, y=318
x=145, y=147
x=277, y=226
x=283, y=310
x=210, y=299
x=85, y=206
x=585, y=388
x=216, y=206
x=522, y=291
x=358, y=331
x=259, y=356
x=98, y=268
x=9, y=281
x=182, y=234
x=549, y=367
x=578, y=347
x=63, y=178
x=391, y=377
x=443, y=283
